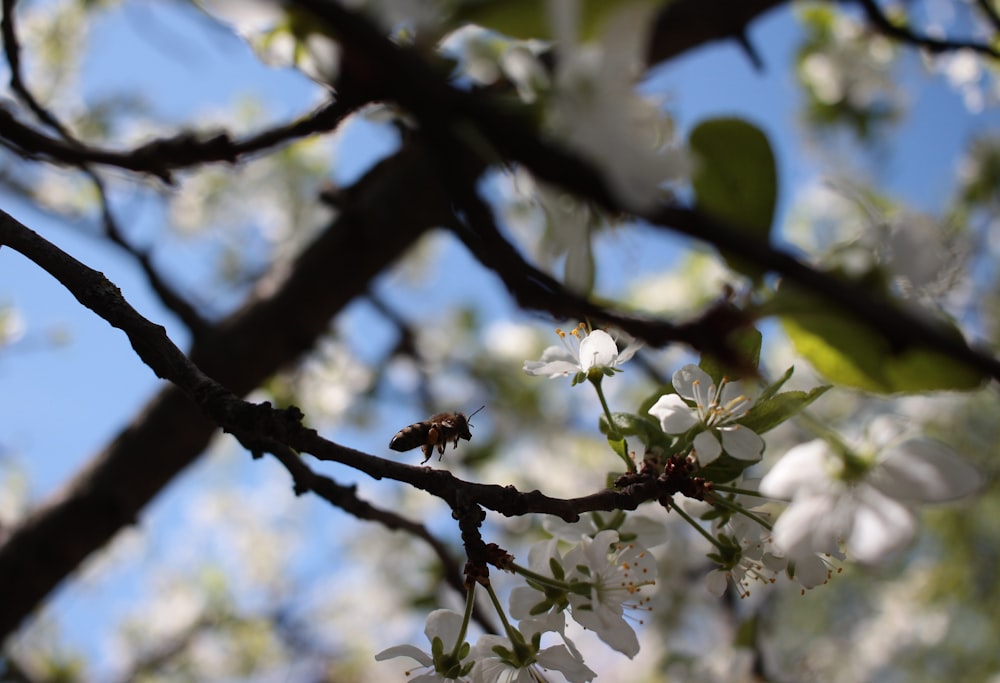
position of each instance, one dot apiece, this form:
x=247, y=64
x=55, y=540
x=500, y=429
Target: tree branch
x=273, y=328
x=162, y=156
x=907, y=34
x=394, y=72
x=346, y=498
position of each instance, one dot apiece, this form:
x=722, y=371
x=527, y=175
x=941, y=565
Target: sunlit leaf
x=850, y=353
x=735, y=179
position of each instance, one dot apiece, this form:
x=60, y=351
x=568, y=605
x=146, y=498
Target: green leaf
x=629, y=424
x=772, y=388
x=735, y=179
x=619, y=446
x=849, y=353
x=768, y=414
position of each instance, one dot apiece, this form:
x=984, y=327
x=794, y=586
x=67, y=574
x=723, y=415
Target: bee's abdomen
x=409, y=437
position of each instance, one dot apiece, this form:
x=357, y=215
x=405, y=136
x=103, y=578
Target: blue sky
x=62, y=403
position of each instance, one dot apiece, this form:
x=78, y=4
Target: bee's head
x=464, y=423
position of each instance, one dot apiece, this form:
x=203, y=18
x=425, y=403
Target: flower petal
x=598, y=349
x=444, y=624
x=882, y=526
x=558, y=368
x=716, y=582
x=685, y=380
x=741, y=442
x=629, y=350
x=559, y=657
x=801, y=470
x=734, y=393
x=522, y=600
x=811, y=524
x=411, y=651
x=675, y=416
x=707, y=447
x=811, y=571
x=925, y=471
x=607, y=622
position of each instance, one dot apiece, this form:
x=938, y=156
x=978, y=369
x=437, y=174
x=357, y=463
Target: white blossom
x=615, y=573
x=714, y=415
x=751, y=557
x=500, y=661
x=596, y=110
x=866, y=503
x=596, y=351
x=525, y=599
x=443, y=629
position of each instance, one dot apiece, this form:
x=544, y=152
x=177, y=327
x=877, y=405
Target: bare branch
x=270, y=331
x=162, y=156
x=907, y=34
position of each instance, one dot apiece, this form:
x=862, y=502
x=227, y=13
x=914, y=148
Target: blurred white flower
x=853, y=69
x=866, y=503
x=568, y=226
x=597, y=351
x=596, y=110
x=12, y=325
x=280, y=37
x=443, y=629
x=964, y=72
x=714, y=414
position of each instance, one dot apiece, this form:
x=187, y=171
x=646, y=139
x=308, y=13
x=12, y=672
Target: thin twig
x=906, y=34
x=989, y=11
x=162, y=156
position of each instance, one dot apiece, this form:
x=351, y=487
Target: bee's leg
x=427, y=448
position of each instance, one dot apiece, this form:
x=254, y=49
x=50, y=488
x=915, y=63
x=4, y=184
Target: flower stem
x=539, y=578
x=698, y=527
x=512, y=633
x=612, y=431
x=470, y=604
x=737, y=490
x=740, y=510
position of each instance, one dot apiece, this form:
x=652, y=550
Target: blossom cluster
x=701, y=436
x=595, y=582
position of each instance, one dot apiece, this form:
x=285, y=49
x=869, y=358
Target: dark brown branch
x=989, y=11
x=162, y=156
x=12, y=50
x=907, y=34
x=170, y=298
x=533, y=289
x=346, y=498
x=685, y=24
x=270, y=331
x=440, y=107
x=260, y=426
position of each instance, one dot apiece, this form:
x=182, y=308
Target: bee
x=436, y=431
